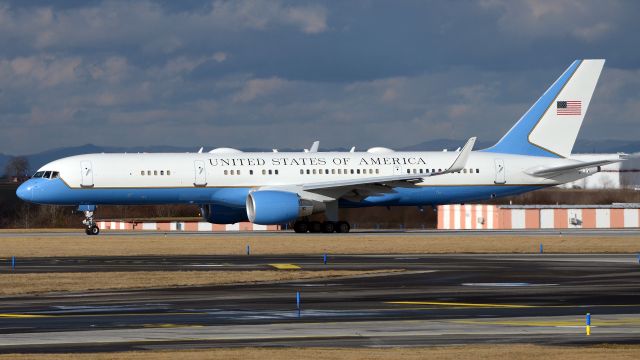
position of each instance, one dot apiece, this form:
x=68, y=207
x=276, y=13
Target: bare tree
x=17, y=167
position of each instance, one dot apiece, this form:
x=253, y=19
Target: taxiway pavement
x=437, y=299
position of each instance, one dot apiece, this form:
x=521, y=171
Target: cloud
x=148, y=26
x=261, y=14
x=255, y=88
x=582, y=20
x=243, y=73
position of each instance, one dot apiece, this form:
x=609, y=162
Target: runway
x=358, y=232
x=436, y=299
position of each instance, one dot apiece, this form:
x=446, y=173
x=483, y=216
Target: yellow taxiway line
x=459, y=304
x=285, y=266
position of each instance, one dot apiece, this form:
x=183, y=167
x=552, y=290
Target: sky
x=281, y=74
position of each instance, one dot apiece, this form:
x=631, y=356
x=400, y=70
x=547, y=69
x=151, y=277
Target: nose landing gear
x=90, y=224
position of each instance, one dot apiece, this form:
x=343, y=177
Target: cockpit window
x=38, y=174
x=47, y=174
x=54, y=174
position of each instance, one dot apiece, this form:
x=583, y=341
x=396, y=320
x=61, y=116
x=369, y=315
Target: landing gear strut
x=91, y=226
x=304, y=226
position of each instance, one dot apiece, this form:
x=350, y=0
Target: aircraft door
x=200, y=178
x=87, y=174
x=500, y=172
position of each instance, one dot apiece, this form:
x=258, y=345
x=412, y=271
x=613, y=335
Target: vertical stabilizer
x=550, y=127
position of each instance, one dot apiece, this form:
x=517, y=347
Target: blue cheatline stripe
x=516, y=141
x=58, y=193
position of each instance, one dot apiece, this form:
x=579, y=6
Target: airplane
x=268, y=188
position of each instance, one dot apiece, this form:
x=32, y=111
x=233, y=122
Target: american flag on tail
x=569, y=107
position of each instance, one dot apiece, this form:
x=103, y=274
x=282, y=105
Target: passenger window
x=370, y=171
x=314, y=171
x=168, y=172
x=231, y=172
x=477, y=171
x=250, y=172
x=155, y=172
x=326, y=171
x=148, y=172
x=358, y=171
x=142, y=172
x=339, y=171
x=226, y=172
x=439, y=170
x=333, y=171
x=464, y=171
x=276, y=172
x=377, y=171
x=238, y=172
x=308, y=171
x=270, y=172
x=352, y=171
x=264, y=172
x=301, y=172
x=408, y=171
x=162, y=172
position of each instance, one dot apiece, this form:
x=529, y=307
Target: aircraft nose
x=25, y=191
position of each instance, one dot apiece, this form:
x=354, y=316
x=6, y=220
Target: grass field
x=289, y=243
x=17, y=284
x=510, y=352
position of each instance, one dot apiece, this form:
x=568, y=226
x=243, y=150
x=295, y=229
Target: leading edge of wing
x=457, y=165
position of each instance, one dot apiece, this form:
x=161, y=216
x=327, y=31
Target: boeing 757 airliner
x=281, y=187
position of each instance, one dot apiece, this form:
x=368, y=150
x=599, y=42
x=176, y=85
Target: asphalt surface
x=356, y=232
x=438, y=299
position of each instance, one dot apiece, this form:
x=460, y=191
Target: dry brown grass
x=288, y=243
x=14, y=284
x=511, y=352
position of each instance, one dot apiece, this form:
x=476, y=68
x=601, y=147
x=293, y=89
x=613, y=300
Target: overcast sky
x=284, y=73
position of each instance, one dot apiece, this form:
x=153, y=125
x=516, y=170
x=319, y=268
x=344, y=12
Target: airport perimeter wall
x=182, y=226
x=506, y=217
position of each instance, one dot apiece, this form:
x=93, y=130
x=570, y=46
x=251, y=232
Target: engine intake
x=269, y=207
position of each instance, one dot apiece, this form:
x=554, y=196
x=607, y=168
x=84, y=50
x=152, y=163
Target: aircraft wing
x=457, y=165
x=559, y=170
x=367, y=186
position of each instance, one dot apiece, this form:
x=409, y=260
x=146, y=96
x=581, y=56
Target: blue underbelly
x=57, y=192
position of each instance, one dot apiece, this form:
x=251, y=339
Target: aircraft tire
x=301, y=226
x=315, y=227
x=328, y=227
x=94, y=230
x=343, y=227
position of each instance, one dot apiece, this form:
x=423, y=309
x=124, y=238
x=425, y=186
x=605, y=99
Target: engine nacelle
x=218, y=214
x=269, y=207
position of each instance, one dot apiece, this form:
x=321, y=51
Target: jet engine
x=269, y=207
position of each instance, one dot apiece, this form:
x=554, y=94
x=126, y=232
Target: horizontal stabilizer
x=559, y=170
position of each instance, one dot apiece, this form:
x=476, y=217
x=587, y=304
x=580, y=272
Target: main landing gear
x=321, y=227
x=91, y=226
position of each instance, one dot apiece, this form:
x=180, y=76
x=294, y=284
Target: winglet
x=315, y=146
x=461, y=160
